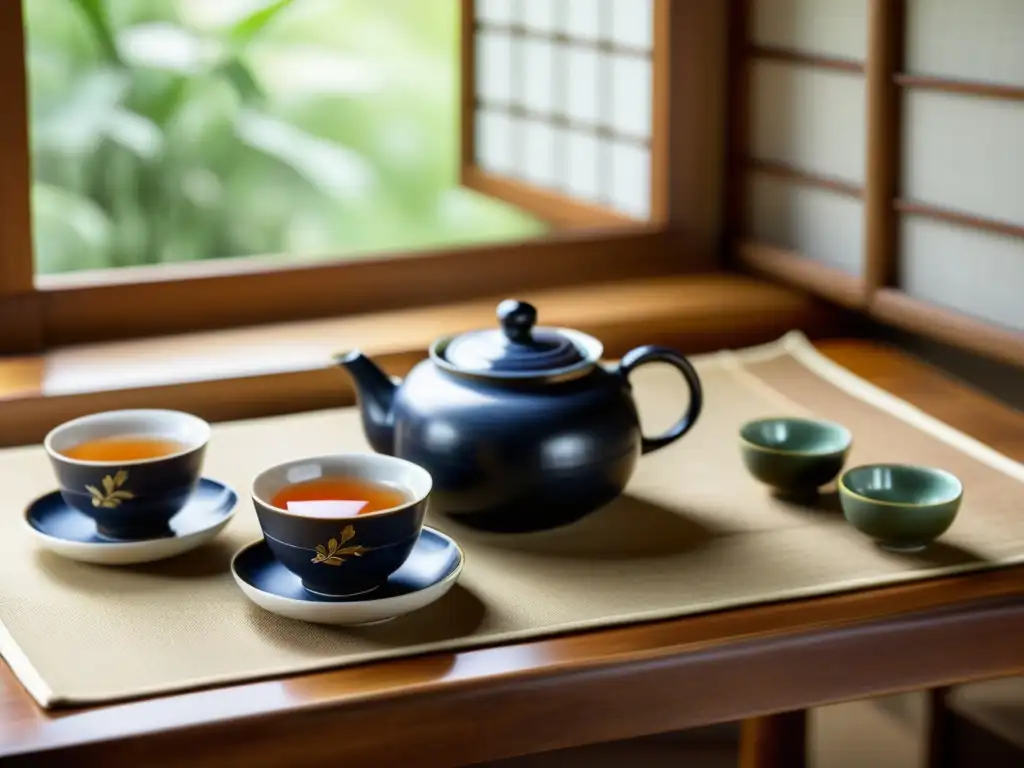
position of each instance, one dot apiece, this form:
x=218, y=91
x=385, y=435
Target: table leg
x=774, y=741
x=940, y=731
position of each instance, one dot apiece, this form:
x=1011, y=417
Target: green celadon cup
x=902, y=507
x=794, y=455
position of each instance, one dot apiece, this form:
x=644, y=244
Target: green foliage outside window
x=175, y=130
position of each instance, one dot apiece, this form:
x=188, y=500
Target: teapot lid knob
x=518, y=349
x=517, y=319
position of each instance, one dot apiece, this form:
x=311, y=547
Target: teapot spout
x=375, y=395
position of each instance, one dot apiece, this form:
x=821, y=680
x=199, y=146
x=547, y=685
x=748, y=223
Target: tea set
x=517, y=429
x=522, y=428
x=902, y=507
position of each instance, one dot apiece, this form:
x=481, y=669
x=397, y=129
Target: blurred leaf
x=317, y=71
x=77, y=125
x=166, y=46
x=94, y=112
x=95, y=12
x=130, y=236
x=246, y=30
x=202, y=188
x=135, y=132
x=336, y=170
x=216, y=16
x=71, y=232
x=241, y=77
x=181, y=246
x=202, y=129
x=48, y=80
x=158, y=95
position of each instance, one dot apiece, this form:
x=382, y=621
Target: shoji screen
x=879, y=159
x=961, y=202
x=561, y=114
x=805, y=139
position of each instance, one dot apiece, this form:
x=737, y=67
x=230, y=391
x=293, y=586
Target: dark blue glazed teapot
x=522, y=428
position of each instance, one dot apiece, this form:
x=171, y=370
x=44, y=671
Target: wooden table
x=452, y=709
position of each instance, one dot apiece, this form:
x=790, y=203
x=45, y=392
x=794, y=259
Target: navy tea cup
x=347, y=555
x=133, y=499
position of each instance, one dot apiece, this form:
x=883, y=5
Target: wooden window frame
x=875, y=290
x=684, y=235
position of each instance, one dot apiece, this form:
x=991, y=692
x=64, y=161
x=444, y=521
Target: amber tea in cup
x=334, y=497
x=344, y=523
x=127, y=448
x=131, y=470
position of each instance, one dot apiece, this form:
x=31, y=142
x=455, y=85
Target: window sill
x=224, y=375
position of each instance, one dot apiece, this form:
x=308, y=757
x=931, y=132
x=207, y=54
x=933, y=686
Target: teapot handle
x=651, y=354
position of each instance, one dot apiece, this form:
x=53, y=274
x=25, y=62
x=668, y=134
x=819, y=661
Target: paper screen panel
x=965, y=153
x=833, y=28
x=564, y=98
x=580, y=19
x=981, y=40
x=976, y=273
x=540, y=16
x=494, y=142
x=811, y=119
x=495, y=11
x=818, y=224
x=633, y=23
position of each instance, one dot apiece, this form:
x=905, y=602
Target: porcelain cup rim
x=844, y=431
x=415, y=497
x=200, y=439
x=958, y=484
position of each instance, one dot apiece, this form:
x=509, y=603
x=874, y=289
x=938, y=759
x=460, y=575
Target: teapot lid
x=519, y=349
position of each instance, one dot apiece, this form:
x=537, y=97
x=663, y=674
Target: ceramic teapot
x=522, y=428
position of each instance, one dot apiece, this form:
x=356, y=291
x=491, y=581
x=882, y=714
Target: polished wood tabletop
x=459, y=708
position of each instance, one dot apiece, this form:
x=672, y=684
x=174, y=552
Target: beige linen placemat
x=693, y=533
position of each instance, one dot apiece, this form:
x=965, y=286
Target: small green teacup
x=795, y=456
x=903, y=508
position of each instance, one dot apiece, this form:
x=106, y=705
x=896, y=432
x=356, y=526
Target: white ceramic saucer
x=64, y=530
x=431, y=570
